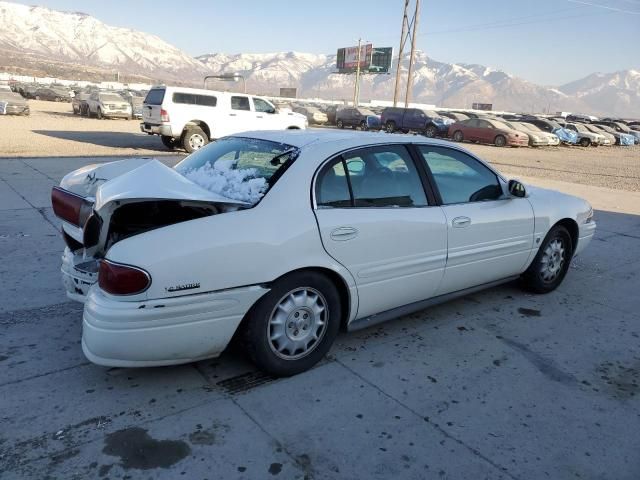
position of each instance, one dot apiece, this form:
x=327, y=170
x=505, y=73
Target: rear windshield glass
x=112, y=98
x=238, y=168
x=155, y=96
x=194, y=99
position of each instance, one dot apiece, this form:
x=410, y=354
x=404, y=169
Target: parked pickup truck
x=191, y=118
x=415, y=119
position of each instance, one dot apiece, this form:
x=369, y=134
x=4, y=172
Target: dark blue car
x=426, y=122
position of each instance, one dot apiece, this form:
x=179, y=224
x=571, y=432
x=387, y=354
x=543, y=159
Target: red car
x=487, y=131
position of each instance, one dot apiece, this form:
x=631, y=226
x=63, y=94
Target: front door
x=264, y=114
x=374, y=218
x=490, y=234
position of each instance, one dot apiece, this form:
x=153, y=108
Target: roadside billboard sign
x=372, y=60
x=288, y=92
x=482, y=106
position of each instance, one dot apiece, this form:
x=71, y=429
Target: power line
x=606, y=7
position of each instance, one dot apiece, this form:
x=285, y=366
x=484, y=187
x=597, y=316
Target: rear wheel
x=293, y=326
x=585, y=142
x=99, y=115
x=168, y=142
x=500, y=141
x=194, y=139
x=550, y=266
x=363, y=126
x=390, y=126
x=340, y=124
x=458, y=136
x=431, y=131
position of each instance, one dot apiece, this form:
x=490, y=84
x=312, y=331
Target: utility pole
x=403, y=38
x=356, y=89
x=416, y=17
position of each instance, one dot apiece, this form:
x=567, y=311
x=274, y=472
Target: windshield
x=238, y=168
x=580, y=128
x=531, y=126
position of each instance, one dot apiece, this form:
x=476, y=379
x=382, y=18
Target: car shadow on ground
x=136, y=141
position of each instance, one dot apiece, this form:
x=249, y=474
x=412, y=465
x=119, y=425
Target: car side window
x=384, y=176
x=262, y=106
x=240, y=103
x=459, y=177
x=332, y=186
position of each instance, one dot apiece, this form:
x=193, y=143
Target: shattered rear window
x=238, y=168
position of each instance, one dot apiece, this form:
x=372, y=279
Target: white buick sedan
x=283, y=238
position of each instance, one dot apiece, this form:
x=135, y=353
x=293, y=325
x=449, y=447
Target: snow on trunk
x=225, y=179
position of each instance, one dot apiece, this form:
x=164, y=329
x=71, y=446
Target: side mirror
x=516, y=189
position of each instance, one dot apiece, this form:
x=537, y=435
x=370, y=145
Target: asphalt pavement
x=499, y=384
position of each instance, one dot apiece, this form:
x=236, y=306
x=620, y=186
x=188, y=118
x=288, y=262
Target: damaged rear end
x=101, y=205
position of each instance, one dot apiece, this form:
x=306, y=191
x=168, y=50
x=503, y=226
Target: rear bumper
x=166, y=331
x=153, y=129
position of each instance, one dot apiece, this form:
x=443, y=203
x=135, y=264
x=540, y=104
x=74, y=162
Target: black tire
x=168, y=142
x=538, y=278
x=585, y=142
x=458, y=136
x=390, y=126
x=500, y=141
x=99, y=115
x=431, y=131
x=194, y=139
x=363, y=126
x=340, y=124
x=257, y=329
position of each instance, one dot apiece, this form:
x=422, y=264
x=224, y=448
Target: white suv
x=191, y=117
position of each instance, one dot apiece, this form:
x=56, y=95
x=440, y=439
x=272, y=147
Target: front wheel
x=293, y=326
x=99, y=115
x=363, y=126
x=458, y=136
x=431, y=131
x=390, y=126
x=194, y=139
x=500, y=141
x=340, y=124
x=585, y=142
x=550, y=265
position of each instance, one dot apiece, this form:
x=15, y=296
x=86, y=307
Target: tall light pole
x=403, y=39
x=356, y=88
x=416, y=17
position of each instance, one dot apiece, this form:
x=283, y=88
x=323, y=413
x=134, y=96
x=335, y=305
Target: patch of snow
x=225, y=179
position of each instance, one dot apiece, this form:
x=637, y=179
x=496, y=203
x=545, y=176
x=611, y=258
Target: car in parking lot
x=487, y=131
x=357, y=117
x=537, y=137
x=609, y=138
x=191, y=117
x=79, y=103
x=621, y=128
x=13, y=103
x=426, y=122
x=108, y=105
x=586, y=138
x=313, y=114
x=52, y=94
x=279, y=239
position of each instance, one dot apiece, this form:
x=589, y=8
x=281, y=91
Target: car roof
x=341, y=138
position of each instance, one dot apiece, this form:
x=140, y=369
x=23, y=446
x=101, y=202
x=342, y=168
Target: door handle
x=232, y=114
x=341, y=234
x=460, y=222
x=259, y=116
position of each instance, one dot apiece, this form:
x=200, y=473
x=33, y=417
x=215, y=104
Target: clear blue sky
x=545, y=41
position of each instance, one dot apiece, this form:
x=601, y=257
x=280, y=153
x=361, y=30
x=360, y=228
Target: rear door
x=375, y=219
x=490, y=235
x=152, y=106
x=240, y=117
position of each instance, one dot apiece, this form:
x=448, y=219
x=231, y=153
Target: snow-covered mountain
x=78, y=38
x=39, y=41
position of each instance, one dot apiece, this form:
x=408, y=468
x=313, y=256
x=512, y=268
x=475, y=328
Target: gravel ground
x=52, y=130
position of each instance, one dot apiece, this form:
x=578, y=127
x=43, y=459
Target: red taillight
x=70, y=207
x=118, y=279
x=164, y=115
